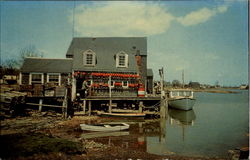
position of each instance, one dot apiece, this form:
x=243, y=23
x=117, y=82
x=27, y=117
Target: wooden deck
x=123, y=98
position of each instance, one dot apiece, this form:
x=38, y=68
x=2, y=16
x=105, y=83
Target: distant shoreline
x=215, y=90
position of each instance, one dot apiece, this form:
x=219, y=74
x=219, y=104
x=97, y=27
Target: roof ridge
x=49, y=58
x=112, y=37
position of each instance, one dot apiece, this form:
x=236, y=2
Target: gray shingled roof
x=46, y=65
x=150, y=72
x=106, y=48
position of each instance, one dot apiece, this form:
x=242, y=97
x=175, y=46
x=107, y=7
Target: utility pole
x=183, y=78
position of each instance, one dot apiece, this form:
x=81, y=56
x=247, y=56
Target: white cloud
x=200, y=16
x=133, y=18
x=222, y=9
x=122, y=19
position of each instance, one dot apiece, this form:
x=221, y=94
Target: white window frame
x=89, y=51
x=122, y=53
x=124, y=85
x=112, y=86
x=59, y=77
x=33, y=73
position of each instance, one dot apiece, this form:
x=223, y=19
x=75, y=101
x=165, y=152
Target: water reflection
x=103, y=134
x=182, y=133
x=181, y=117
x=147, y=136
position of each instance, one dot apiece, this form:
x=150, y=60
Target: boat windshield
x=188, y=93
x=175, y=93
x=181, y=93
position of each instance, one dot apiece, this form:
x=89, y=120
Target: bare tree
x=10, y=63
x=29, y=51
x=15, y=63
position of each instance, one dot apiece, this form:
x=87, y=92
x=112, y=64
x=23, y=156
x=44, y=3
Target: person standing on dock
x=84, y=88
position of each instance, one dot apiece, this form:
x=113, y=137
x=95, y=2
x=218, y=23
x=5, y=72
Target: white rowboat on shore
x=104, y=127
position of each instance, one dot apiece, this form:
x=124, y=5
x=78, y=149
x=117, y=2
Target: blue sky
x=207, y=39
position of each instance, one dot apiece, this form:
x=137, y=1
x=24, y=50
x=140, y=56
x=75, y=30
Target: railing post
x=40, y=105
x=65, y=103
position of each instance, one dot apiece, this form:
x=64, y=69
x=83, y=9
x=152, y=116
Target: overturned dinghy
x=104, y=127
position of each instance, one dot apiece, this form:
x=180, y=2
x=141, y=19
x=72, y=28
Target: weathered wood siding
x=25, y=78
x=150, y=84
x=144, y=67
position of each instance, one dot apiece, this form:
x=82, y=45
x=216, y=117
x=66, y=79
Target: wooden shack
x=40, y=76
x=112, y=66
x=123, y=59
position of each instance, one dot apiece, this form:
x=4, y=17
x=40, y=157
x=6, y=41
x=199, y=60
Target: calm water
x=217, y=123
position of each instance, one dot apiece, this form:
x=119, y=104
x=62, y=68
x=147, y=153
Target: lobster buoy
x=141, y=92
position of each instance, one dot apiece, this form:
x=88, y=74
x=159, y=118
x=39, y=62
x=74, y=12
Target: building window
x=122, y=59
x=125, y=84
x=89, y=58
x=54, y=78
x=36, y=78
x=112, y=83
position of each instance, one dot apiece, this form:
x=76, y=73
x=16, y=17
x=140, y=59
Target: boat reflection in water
x=167, y=146
x=181, y=117
x=103, y=134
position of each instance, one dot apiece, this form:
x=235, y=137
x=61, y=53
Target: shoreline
x=215, y=91
x=212, y=90
x=67, y=132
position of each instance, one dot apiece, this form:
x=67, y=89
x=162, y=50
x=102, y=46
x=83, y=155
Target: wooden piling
x=162, y=130
x=164, y=103
x=163, y=108
x=40, y=105
x=141, y=106
x=84, y=106
x=89, y=107
x=65, y=104
x=110, y=100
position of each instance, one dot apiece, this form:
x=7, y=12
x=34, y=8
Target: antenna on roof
x=73, y=21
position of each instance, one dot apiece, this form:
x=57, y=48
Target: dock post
x=89, y=107
x=40, y=105
x=164, y=103
x=110, y=105
x=162, y=130
x=163, y=108
x=84, y=106
x=141, y=106
x=65, y=104
x=110, y=95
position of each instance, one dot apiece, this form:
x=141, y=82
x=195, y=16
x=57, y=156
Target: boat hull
x=104, y=128
x=182, y=103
